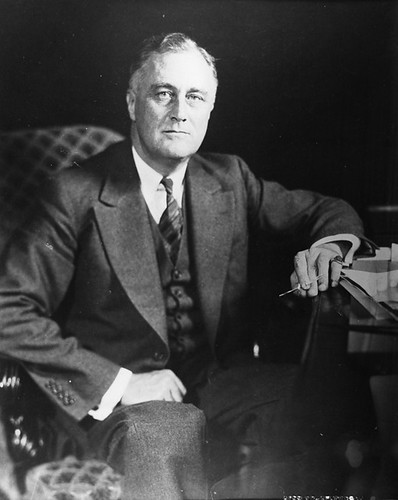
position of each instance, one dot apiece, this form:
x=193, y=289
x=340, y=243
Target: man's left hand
x=317, y=268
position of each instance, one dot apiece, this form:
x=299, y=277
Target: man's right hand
x=161, y=385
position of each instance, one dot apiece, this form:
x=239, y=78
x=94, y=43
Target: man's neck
x=167, y=169
x=164, y=168
x=177, y=172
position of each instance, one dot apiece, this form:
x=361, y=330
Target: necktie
x=170, y=224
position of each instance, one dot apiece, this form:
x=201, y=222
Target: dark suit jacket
x=80, y=293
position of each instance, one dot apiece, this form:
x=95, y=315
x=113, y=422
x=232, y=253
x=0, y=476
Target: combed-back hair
x=161, y=44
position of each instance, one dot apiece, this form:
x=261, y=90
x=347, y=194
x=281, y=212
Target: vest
x=190, y=352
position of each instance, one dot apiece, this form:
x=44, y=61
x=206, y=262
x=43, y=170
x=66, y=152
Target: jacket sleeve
x=298, y=213
x=35, y=274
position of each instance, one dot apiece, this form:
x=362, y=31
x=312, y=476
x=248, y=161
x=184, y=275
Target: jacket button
x=158, y=356
x=177, y=274
x=50, y=384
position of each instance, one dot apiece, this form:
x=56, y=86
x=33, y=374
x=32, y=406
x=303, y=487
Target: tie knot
x=168, y=184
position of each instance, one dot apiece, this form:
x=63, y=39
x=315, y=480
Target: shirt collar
x=150, y=179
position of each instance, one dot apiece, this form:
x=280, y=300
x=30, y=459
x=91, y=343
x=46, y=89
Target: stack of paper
x=373, y=282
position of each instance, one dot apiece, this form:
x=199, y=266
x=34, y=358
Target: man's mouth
x=177, y=132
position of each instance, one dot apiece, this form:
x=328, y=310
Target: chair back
x=28, y=156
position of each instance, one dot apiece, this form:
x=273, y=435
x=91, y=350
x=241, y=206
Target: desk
x=342, y=337
x=335, y=426
x=337, y=318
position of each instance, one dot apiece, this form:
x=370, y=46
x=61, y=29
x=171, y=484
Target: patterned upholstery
x=71, y=479
x=27, y=156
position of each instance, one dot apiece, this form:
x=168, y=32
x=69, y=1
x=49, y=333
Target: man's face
x=170, y=106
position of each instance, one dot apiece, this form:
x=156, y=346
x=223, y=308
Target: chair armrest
x=22, y=420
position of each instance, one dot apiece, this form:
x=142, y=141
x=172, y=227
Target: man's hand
x=317, y=261
x=161, y=385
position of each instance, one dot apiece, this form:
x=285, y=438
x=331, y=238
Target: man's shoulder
x=220, y=164
x=216, y=159
x=229, y=170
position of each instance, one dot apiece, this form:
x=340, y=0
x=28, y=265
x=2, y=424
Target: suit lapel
x=127, y=236
x=212, y=216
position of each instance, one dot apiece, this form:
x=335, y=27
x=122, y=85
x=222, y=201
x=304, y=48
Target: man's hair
x=161, y=44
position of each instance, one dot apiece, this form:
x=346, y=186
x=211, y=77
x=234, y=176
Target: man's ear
x=130, y=99
x=214, y=102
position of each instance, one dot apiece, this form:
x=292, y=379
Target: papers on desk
x=373, y=325
x=384, y=253
x=373, y=282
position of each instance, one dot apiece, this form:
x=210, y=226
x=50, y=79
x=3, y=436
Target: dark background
x=307, y=88
x=308, y=96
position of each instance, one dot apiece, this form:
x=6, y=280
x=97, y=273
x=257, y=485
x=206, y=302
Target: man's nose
x=179, y=110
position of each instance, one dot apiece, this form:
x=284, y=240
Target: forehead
x=186, y=69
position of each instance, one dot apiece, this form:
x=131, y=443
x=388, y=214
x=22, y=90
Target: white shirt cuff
x=354, y=240
x=112, y=396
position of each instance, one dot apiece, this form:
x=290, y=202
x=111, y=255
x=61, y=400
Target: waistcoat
x=190, y=351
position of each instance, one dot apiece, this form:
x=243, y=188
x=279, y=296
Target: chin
x=180, y=153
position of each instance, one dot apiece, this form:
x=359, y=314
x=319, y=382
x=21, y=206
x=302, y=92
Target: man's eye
x=195, y=97
x=164, y=95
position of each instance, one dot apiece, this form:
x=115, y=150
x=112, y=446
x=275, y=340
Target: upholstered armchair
x=26, y=157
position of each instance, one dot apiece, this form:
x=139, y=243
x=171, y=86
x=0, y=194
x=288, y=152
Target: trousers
x=172, y=451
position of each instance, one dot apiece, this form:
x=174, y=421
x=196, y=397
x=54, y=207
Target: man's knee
x=156, y=428
x=167, y=424
x=162, y=450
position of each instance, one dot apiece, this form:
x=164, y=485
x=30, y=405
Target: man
x=125, y=300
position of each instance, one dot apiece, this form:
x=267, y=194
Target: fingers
x=177, y=389
x=170, y=386
x=174, y=394
x=301, y=268
x=179, y=384
x=157, y=385
x=314, y=269
x=306, y=272
x=336, y=266
x=323, y=270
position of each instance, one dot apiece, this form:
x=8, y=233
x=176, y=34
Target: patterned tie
x=170, y=224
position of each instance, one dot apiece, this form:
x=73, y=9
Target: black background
x=307, y=88
x=308, y=96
